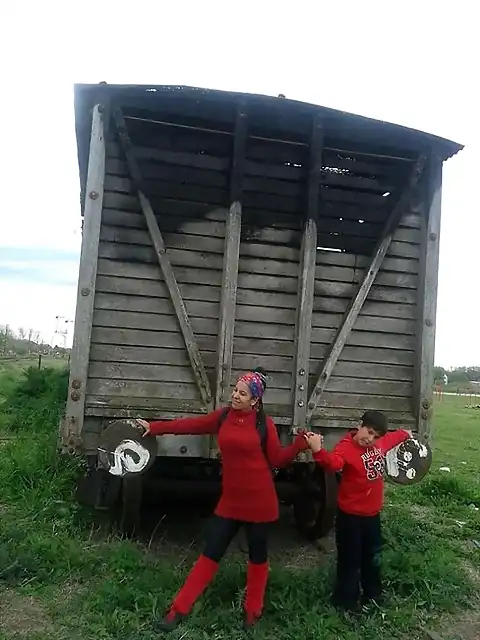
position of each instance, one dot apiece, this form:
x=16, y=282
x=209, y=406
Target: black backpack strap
x=262, y=430
x=223, y=416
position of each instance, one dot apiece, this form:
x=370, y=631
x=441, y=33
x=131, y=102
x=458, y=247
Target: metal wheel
x=314, y=510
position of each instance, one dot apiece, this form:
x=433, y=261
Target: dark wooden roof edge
x=344, y=124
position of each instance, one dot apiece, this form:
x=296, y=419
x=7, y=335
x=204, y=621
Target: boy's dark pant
x=359, y=547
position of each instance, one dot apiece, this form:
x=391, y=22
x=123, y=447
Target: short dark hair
x=375, y=420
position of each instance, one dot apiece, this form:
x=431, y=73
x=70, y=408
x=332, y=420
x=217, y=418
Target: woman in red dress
x=248, y=497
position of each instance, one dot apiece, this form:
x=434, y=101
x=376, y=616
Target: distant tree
x=458, y=376
x=6, y=336
x=438, y=373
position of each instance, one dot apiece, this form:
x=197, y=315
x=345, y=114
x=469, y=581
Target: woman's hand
x=315, y=441
x=145, y=425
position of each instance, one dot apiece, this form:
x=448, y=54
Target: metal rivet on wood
x=76, y=384
x=85, y=291
x=93, y=195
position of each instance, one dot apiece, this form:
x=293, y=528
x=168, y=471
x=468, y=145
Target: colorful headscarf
x=256, y=382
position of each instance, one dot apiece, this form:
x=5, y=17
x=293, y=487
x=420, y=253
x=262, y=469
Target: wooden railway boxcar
x=223, y=231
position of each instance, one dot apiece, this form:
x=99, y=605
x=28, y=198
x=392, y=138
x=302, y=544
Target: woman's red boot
x=200, y=576
x=257, y=578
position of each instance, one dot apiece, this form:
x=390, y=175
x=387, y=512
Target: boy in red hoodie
x=360, y=456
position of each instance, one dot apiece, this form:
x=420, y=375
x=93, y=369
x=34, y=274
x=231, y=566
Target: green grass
x=61, y=581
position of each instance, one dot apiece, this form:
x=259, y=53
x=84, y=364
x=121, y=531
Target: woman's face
x=242, y=399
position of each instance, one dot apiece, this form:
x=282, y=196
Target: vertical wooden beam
x=427, y=305
x=231, y=253
x=165, y=265
x=364, y=288
x=71, y=428
x=306, y=279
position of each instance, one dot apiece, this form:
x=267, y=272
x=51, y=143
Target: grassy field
x=61, y=577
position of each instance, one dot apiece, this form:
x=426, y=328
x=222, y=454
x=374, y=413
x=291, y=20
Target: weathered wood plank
x=428, y=297
x=352, y=261
x=270, y=218
x=175, y=229
x=231, y=256
x=165, y=265
x=277, y=153
x=74, y=415
x=168, y=374
x=373, y=307
x=110, y=353
x=255, y=282
x=209, y=170
x=141, y=389
x=338, y=384
x=257, y=199
x=204, y=259
x=348, y=418
x=251, y=313
x=267, y=331
x=141, y=372
x=197, y=141
x=306, y=279
x=364, y=402
x=152, y=391
x=396, y=421
x=364, y=289
x=101, y=405
x=254, y=346
x=118, y=227
x=128, y=285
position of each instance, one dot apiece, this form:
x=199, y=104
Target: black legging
x=222, y=531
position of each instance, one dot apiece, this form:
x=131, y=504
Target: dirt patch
x=465, y=626
x=21, y=616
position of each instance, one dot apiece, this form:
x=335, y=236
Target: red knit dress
x=248, y=489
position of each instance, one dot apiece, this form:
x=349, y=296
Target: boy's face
x=366, y=436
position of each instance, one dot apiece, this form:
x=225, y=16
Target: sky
x=411, y=63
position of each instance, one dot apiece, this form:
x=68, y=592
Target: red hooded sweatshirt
x=362, y=484
x=248, y=488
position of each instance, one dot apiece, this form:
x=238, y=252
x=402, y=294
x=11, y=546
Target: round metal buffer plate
x=410, y=462
x=123, y=451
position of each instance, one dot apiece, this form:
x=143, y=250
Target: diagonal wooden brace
x=165, y=265
x=364, y=289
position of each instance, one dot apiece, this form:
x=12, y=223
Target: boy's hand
x=315, y=441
